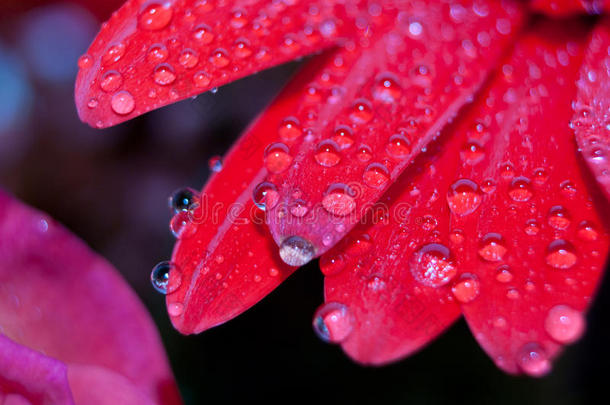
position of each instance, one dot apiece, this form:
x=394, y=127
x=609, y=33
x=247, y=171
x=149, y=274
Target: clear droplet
x=122, y=103
x=332, y=264
x=466, y=289
x=492, y=247
x=242, y=48
x=179, y=225
x=339, y=200
x=327, y=153
x=203, y=34
x=289, y=129
x=533, y=360
x=299, y=208
x=277, y=158
x=296, y=251
x=161, y=280
x=376, y=175
x=201, y=79
x=343, y=137
x=432, y=265
x=333, y=322
x=215, y=164
x=387, y=89
x=111, y=81
x=398, y=146
x=155, y=16
x=265, y=196
x=464, y=197
x=503, y=274
x=113, y=54
x=472, y=152
x=532, y=227
x=559, y=217
x=520, y=189
x=85, y=61
x=219, y=58
x=184, y=199
x=157, y=53
x=587, y=231
x=564, y=324
x=364, y=153
x=238, y=19
x=175, y=309
x=362, y=112
x=188, y=58
x=561, y=254
x=540, y=176
x=164, y=74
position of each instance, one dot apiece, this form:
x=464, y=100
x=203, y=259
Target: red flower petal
x=154, y=53
x=392, y=271
x=404, y=83
x=564, y=8
x=59, y=298
x=591, y=120
x=536, y=243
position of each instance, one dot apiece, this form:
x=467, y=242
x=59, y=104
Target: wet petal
x=537, y=242
x=562, y=8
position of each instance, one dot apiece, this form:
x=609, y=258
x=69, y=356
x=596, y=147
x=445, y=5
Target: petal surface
x=59, y=298
x=535, y=240
x=591, y=121
x=153, y=53
x=562, y=8
x=381, y=103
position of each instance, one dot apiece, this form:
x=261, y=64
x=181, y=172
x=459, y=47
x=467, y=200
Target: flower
x=63, y=335
x=427, y=158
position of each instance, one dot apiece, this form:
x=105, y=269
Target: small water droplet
x=161, y=280
x=85, y=61
x=488, y=186
x=532, y=227
x=327, y=153
x=472, y=152
x=364, y=153
x=333, y=322
x=242, y=48
x=113, y=54
x=219, y=58
x=122, y=103
x=164, y=74
x=587, y=231
x=92, y=103
x=289, y=129
x=215, y=164
x=540, y=176
x=533, y=360
x=332, y=264
x=387, y=89
x=339, y=200
x=111, y=81
x=203, y=34
x=343, y=137
x=175, y=309
x=464, y=197
x=185, y=199
x=299, y=208
x=188, y=58
x=492, y=247
x=201, y=79
x=559, y=218
x=561, y=254
x=376, y=175
x=359, y=244
x=179, y=225
x=155, y=16
x=277, y=157
x=520, y=189
x=296, y=251
x=432, y=265
x=265, y=196
x=503, y=274
x=507, y=171
x=466, y=289
x=362, y=112
x=564, y=324
x=238, y=19
x=398, y=146
x=157, y=53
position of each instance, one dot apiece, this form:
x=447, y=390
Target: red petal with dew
x=591, y=120
x=383, y=100
x=59, y=298
x=535, y=242
x=389, y=272
x=153, y=53
x=562, y=8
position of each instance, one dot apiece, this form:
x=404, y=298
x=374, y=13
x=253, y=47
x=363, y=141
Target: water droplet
x=503, y=274
x=559, y=218
x=376, y=175
x=238, y=19
x=203, y=34
x=92, y=103
x=376, y=283
x=333, y=322
x=343, y=137
x=178, y=225
x=533, y=360
x=359, y=244
x=332, y=264
x=185, y=199
x=387, y=89
x=327, y=153
x=201, y=79
x=362, y=112
x=432, y=265
x=364, y=153
x=492, y=247
x=339, y=200
x=111, y=81
x=561, y=254
x=113, y=54
x=265, y=196
x=219, y=58
x=564, y=324
x=532, y=227
x=299, y=208
x=507, y=171
x=488, y=186
x=587, y=231
x=464, y=197
x=289, y=129
x=457, y=237
x=520, y=189
x=472, y=152
x=175, y=309
x=242, y=48
x=296, y=251
x=85, y=61
x=164, y=74
x=512, y=294
x=122, y=103
x=398, y=146
x=215, y=164
x=157, y=53
x=466, y=288
x=188, y=58
x=277, y=158
x=161, y=280
x=155, y=16
x=540, y=176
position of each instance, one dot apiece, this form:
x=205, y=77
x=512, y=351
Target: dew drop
x=289, y=129
x=343, y=137
x=560, y=254
x=472, y=153
x=161, y=280
x=238, y=19
x=339, y=200
x=587, y=231
x=157, y=53
x=277, y=158
x=488, y=186
x=364, y=153
x=507, y=171
x=111, y=81
x=464, y=197
x=503, y=274
x=520, y=189
x=155, y=16
x=466, y=289
x=113, y=54
x=185, y=199
x=296, y=251
x=242, y=49
x=265, y=196
x=398, y=146
x=175, y=309
x=432, y=265
x=188, y=58
x=122, y=103
x=376, y=175
x=564, y=324
x=332, y=264
x=532, y=227
x=178, y=225
x=492, y=247
x=540, y=176
x=333, y=322
x=219, y=58
x=533, y=360
x=85, y=61
x=92, y=103
x=164, y=74
x=559, y=218
x=362, y=112
x=201, y=79
x=327, y=153
x=359, y=244
x=387, y=89
x=299, y=208
x=203, y=34
x=215, y=164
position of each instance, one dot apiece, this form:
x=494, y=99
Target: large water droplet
x=559, y=217
x=179, y=225
x=339, y=200
x=398, y=146
x=185, y=199
x=564, y=324
x=155, y=16
x=533, y=360
x=433, y=265
x=265, y=196
x=464, y=197
x=157, y=53
x=122, y=103
x=587, y=231
x=327, y=153
x=520, y=189
x=376, y=175
x=343, y=137
x=188, y=58
x=333, y=322
x=277, y=158
x=362, y=112
x=296, y=251
x=492, y=247
x=161, y=280
x=561, y=254
x=111, y=81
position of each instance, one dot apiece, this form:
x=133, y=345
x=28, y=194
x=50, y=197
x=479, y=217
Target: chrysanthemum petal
x=382, y=102
x=536, y=241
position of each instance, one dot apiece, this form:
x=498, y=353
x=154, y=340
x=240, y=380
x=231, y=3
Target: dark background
x=110, y=187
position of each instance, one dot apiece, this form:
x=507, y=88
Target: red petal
x=392, y=95
x=59, y=298
x=564, y=8
x=153, y=53
x=398, y=299
x=536, y=243
x=591, y=120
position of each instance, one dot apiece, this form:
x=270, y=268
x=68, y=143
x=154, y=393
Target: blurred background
x=110, y=187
